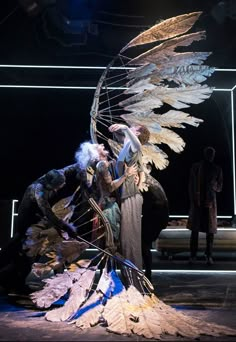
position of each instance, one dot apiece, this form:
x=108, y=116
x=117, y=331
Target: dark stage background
x=41, y=128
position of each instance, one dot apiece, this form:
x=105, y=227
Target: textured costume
x=35, y=214
x=108, y=200
x=131, y=208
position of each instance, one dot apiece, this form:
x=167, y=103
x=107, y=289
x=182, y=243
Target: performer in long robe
x=206, y=179
x=131, y=197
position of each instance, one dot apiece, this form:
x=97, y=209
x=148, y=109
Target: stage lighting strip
x=195, y=271
x=231, y=90
x=13, y=214
x=78, y=67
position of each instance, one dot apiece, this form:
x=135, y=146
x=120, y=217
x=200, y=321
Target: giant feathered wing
x=164, y=73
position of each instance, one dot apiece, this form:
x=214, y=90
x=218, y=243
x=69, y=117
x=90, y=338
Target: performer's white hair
x=86, y=155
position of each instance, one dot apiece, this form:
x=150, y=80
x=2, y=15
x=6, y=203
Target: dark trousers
x=194, y=244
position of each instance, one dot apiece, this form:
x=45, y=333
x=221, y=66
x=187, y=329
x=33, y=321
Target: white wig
x=86, y=155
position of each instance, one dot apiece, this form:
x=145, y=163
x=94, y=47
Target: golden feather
x=160, y=54
x=166, y=29
x=154, y=155
x=168, y=137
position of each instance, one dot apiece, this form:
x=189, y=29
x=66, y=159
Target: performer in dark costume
x=206, y=179
x=35, y=207
x=154, y=219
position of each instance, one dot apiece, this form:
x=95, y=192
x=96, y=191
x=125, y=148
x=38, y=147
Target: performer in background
x=206, y=179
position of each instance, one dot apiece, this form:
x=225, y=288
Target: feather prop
x=165, y=30
x=140, y=86
x=172, y=118
x=178, y=68
x=57, y=286
x=160, y=54
x=141, y=72
x=175, y=118
x=166, y=136
x=176, y=97
x=148, y=121
x=153, y=154
x=183, y=74
x=54, y=289
x=90, y=313
x=116, y=314
x=78, y=294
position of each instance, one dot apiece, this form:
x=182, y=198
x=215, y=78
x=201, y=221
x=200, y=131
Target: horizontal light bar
x=29, y=86
x=184, y=229
x=216, y=69
x=186, y=216
x=63, y=67
x=56, y=87
x=222, y=89
x=76, y=67
x=189, y=272
x=195, y=271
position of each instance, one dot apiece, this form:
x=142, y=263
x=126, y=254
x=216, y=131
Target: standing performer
x=206, y=179
x=131, y=198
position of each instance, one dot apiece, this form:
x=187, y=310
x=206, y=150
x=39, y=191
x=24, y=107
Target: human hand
x=136, y=178
x=117, y=127
x=131, y=170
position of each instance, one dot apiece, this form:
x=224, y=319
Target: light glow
x=233, y=146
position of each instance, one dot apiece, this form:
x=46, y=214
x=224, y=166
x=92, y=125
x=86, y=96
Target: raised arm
x=129, y=135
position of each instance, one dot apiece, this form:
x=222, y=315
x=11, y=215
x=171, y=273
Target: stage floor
x=205, y=292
